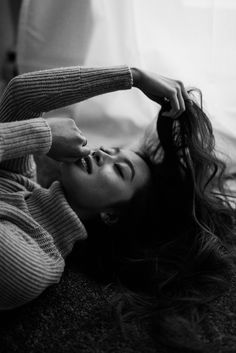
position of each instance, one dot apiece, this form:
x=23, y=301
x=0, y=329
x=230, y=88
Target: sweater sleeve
x=29, y=95
x=23, y=138
x=25, y=269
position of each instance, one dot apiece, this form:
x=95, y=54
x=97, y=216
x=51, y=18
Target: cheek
x=96, y=190
x=73, y=180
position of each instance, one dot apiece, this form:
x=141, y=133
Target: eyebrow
x=127, y=161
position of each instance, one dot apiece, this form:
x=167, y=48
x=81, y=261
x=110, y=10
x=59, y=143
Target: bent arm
x=29, y=95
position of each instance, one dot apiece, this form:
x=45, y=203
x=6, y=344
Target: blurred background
x=190, y=40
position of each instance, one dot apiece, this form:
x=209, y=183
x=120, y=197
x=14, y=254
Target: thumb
x=84, y=152
x=81, y=153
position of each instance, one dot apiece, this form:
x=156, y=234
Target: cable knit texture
x=38, y=228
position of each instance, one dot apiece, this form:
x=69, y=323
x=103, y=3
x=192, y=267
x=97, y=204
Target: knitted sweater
x=38, y=228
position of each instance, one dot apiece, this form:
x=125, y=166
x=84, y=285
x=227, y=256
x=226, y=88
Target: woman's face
x=104, y=178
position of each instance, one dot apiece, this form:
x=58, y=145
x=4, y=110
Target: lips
x=86, y=164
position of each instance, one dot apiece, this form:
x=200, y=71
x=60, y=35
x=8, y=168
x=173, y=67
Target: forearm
x=30, y=94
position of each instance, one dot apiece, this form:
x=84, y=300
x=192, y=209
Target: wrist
x=136, y=73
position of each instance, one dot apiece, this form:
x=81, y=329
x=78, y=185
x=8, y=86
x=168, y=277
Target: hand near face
x=68, y=143
x=162, y=89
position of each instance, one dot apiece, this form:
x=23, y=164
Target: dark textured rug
x=73, y=316
x=76, y=316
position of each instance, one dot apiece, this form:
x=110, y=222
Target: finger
x=181, y=103
x=79, y=131
x=80, y=153
x=175, y=107
x=184, y=91
x=83, y=152
x=82, y=139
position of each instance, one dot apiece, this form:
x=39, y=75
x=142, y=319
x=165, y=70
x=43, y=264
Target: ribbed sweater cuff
x=20, y=138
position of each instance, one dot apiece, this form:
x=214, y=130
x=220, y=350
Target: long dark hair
x=179, y=252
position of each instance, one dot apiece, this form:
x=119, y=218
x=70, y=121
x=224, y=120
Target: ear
x=110, y=217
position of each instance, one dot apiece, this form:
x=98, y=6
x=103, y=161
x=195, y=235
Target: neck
x=83, y=213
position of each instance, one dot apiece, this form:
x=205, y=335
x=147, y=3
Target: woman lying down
x=158, y=216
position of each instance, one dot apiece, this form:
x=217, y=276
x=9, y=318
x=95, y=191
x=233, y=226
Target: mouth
x=86, y=164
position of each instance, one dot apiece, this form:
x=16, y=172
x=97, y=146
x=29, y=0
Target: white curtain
x=191, y=40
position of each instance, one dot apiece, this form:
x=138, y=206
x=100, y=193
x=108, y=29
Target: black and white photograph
x=117, y=176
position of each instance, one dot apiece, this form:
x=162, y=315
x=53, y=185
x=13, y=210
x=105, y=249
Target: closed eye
x=118, y=168
x=117, y=150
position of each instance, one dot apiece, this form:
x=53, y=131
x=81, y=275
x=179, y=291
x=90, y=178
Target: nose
x=102, y=157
